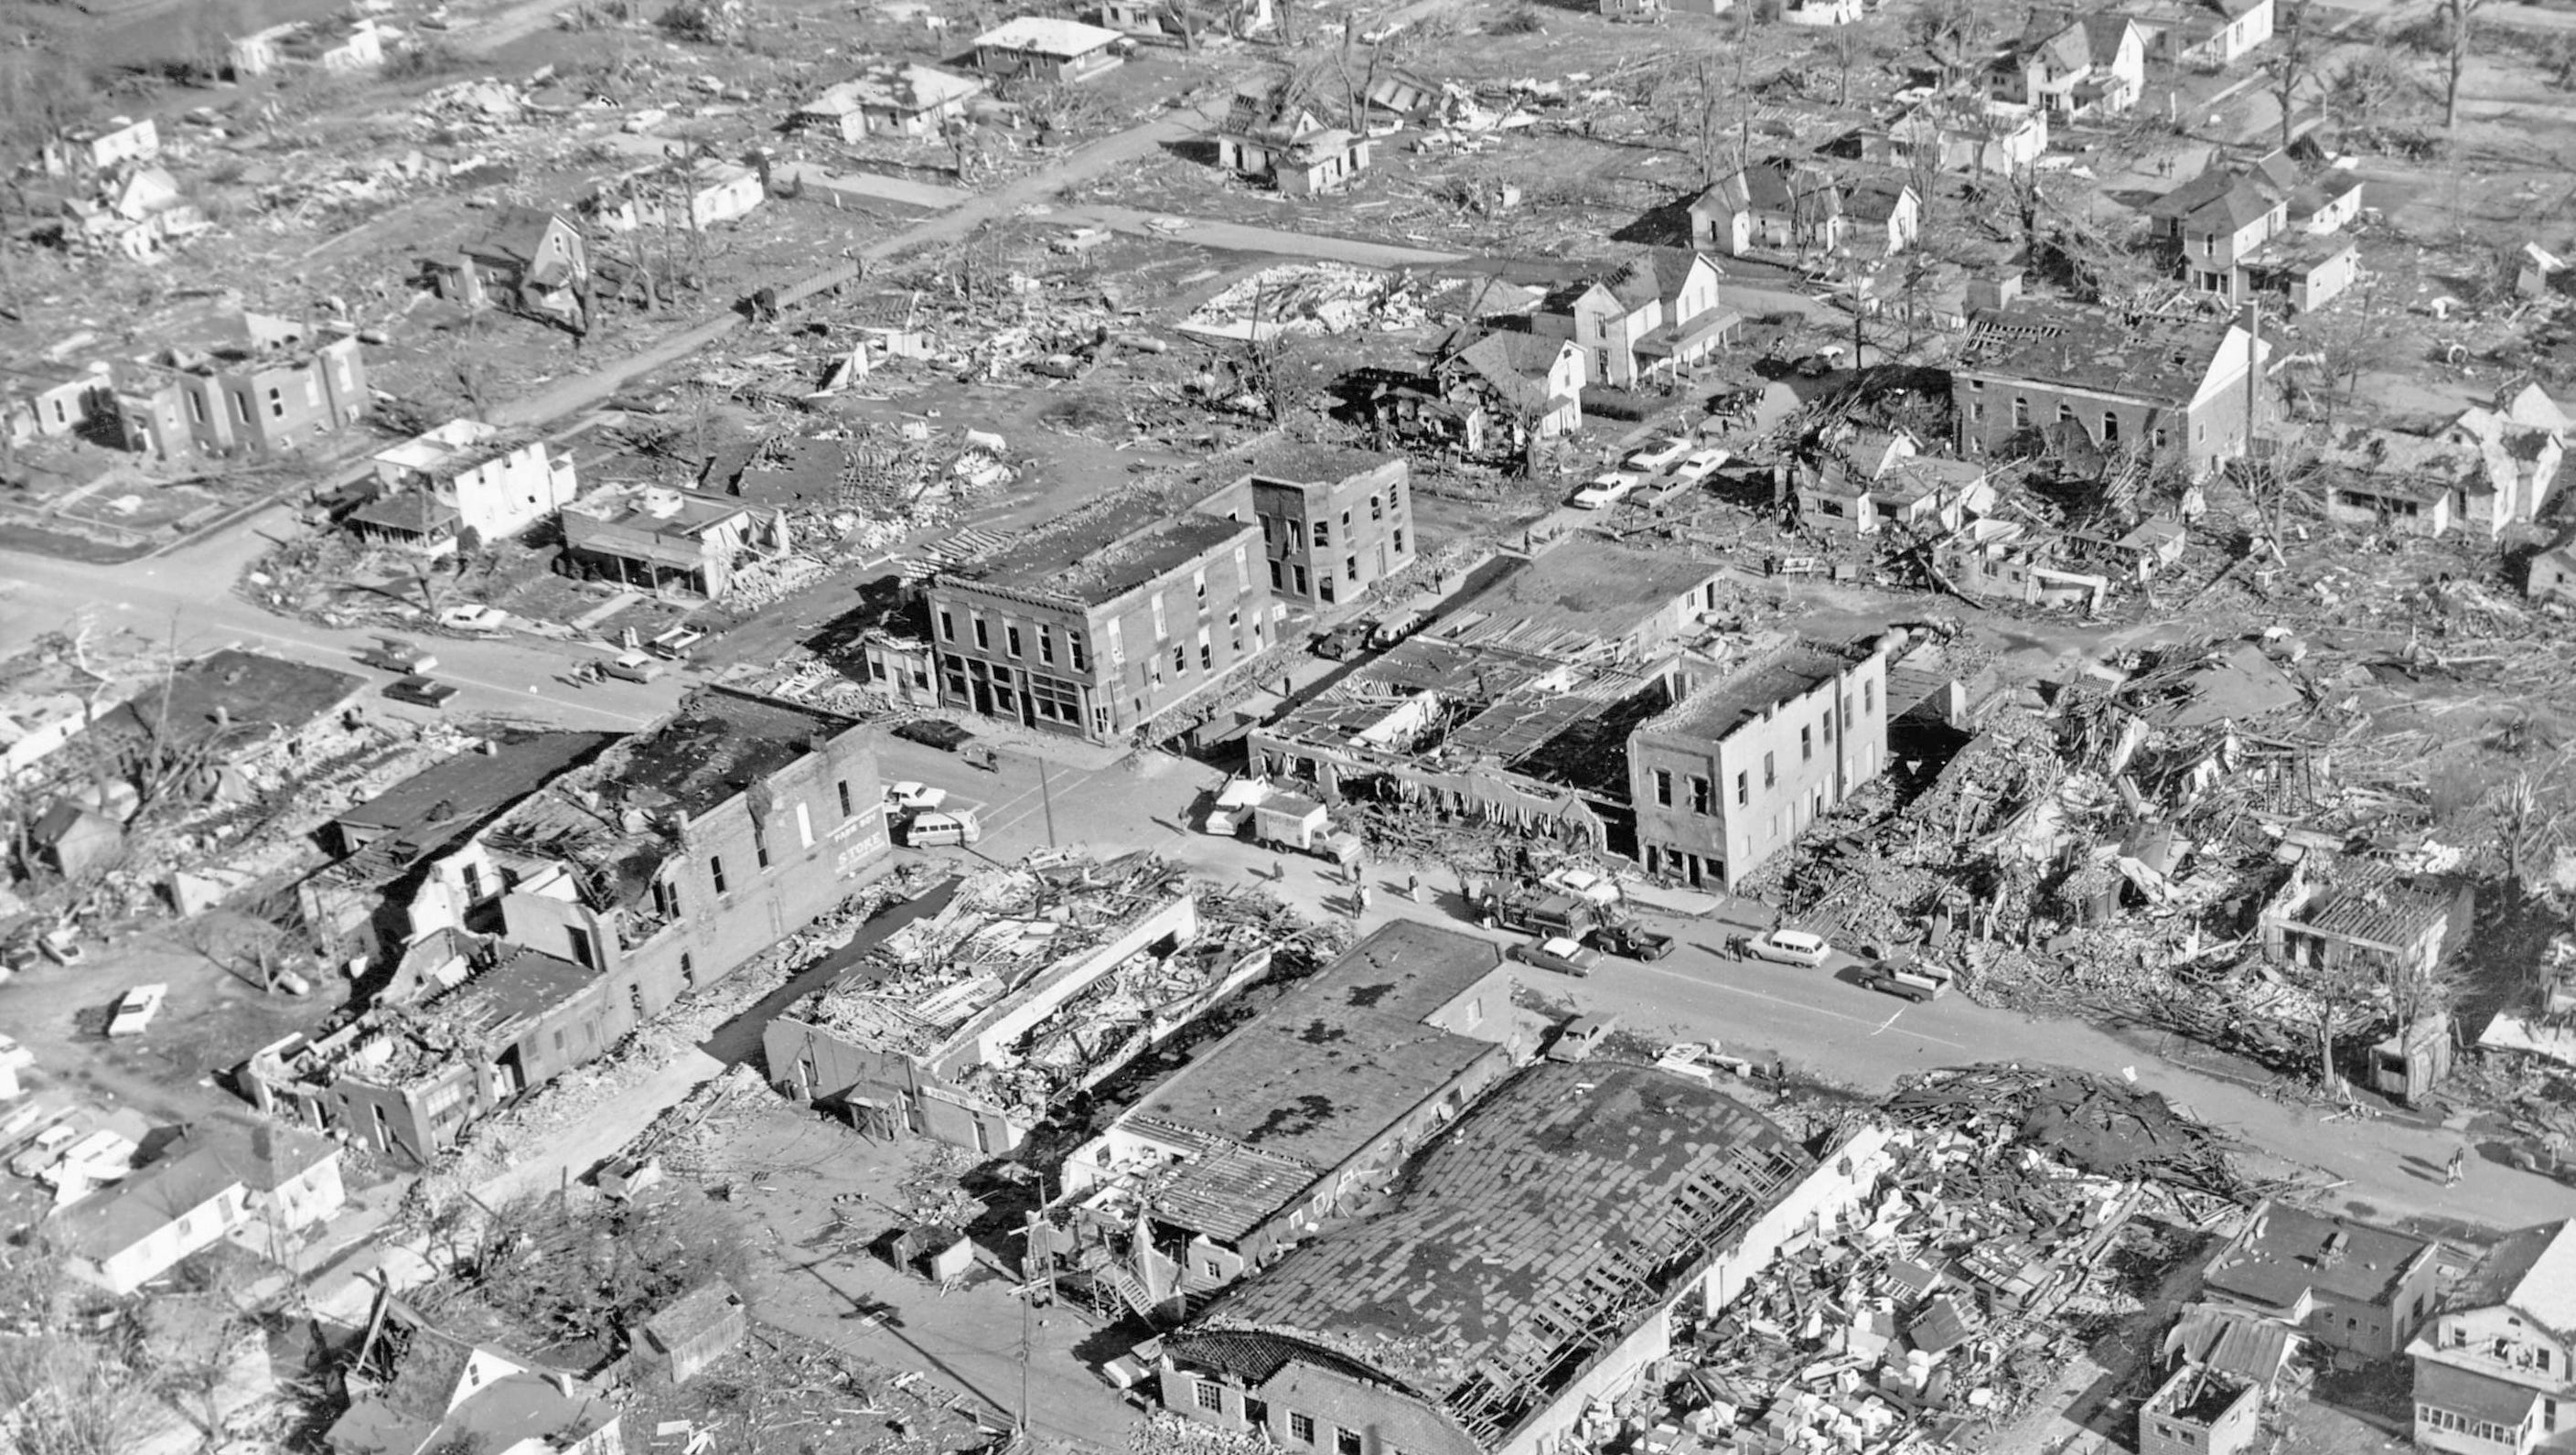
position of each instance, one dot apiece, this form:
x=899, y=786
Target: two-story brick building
x=2164, y=383
x=1104, y=624
x=1737, y=769
x=2495, y=1371
x=1333, y=521
x=270, y=386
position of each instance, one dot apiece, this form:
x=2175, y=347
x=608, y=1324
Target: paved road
x=189, y=595
x=1824, y=1023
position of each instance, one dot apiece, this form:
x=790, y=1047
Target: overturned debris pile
x=2091, y=1122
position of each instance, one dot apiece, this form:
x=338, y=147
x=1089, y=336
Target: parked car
x=911, y=797
x=941, y=828
x=1343, y=641
x=402, y=658
x=1557, y=953
x=1701, y=464
x=632, y=667
x=1789, y=947
x=1633, y=941
x=676, y=642
x=474, y=617
x=1589, y=885
x=1916, y=982
x=1581, y=1037
x=421, y=691
x=934, y=732
x=45, y=1150
x=62, y=946
x=136, y=1008
x=1657, y=454
x=1606, y=490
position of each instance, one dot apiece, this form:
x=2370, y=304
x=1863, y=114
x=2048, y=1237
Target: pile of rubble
x=1934, y=1314
x=1312, y=298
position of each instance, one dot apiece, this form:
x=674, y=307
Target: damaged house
x=358, y=906
x=464, y=476
x=1526, y=1269
x=1737, y=769
x=528, y=260
x=678, y=544
x=1028, y=986
x=234, y=716
x=662, y=866
x=1499, y=391
x=694, y=193
x=1272, y=139
x=1297, y=1116
x=1864, y=480
x=900, y=99
x=1645, y=323
x=2151, y=383
x=2496, y=1369
x=260, y=1186
x=2095, y=65
x=1784, y=205
x=1048, y=48
x=2235, y=231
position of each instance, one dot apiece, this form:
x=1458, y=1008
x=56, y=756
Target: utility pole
x=2254, y=412
x=1046, y=798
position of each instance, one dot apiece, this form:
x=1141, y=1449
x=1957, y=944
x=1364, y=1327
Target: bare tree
x=2292, y=65
x=2459, y=35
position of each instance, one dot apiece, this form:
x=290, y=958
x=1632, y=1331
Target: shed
x=700, y=1328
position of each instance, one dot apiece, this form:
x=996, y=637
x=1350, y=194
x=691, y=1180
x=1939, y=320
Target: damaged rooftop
x=1752, y=689
x=1572, y=596
x=1552, y=1220
x=1344, y=1057
x=1109, y=558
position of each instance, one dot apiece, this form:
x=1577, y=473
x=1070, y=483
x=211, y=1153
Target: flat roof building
x=1300, y=1113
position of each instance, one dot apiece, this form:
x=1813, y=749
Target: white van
x=945, y=826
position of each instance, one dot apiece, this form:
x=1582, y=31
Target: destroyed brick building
x=1530, y=1263
x=1292, y=1118
x=1515, y=706
x=2496, y=1368
x=1029, y=985
x=1107, y=622
x=1747, y=759
x=661, y=866
x=2160, y=383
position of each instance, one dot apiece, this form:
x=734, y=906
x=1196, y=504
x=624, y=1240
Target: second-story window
x=715, y=871
x=1664, y=787
x=983, y=635
x=1011, y=640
